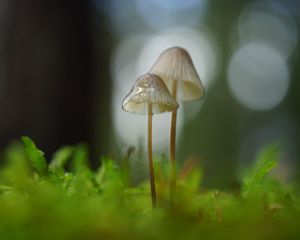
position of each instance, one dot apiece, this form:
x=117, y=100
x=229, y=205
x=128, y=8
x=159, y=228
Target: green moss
x=41, y=201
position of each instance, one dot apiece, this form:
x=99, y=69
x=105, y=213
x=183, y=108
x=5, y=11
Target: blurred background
x=66, y=65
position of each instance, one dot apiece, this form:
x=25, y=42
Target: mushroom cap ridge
x=147, y=89
x=175, y=64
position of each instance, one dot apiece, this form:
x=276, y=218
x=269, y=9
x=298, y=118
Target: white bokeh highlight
x=270, y=23
x=258, y=76
x=161, y=15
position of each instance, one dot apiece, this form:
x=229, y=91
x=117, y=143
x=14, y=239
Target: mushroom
x=176, y=69
x=149, y=95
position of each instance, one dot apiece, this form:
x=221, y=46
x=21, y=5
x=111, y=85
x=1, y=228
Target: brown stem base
x=150, y=158
x=173, y=148
x=172, y=156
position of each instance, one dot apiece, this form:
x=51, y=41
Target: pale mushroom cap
x=175, y=65
x=149, y=88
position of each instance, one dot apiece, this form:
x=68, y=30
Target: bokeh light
x=165, y=14
x=129, y=16
x=258, y=76
x=268, y=22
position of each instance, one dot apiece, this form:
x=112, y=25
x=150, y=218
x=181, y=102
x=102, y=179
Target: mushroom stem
x=151, y=170
x=173, y=146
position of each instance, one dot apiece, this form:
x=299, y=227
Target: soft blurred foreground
x=65, y=199
x=65, y=67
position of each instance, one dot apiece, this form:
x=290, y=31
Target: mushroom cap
x=147, y=89
x=175, y=66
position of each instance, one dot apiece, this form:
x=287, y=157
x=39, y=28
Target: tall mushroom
x=149, y=95
x=177, y=70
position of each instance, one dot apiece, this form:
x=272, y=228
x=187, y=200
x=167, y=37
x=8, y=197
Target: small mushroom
x=177, y=70
x=149, y=95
